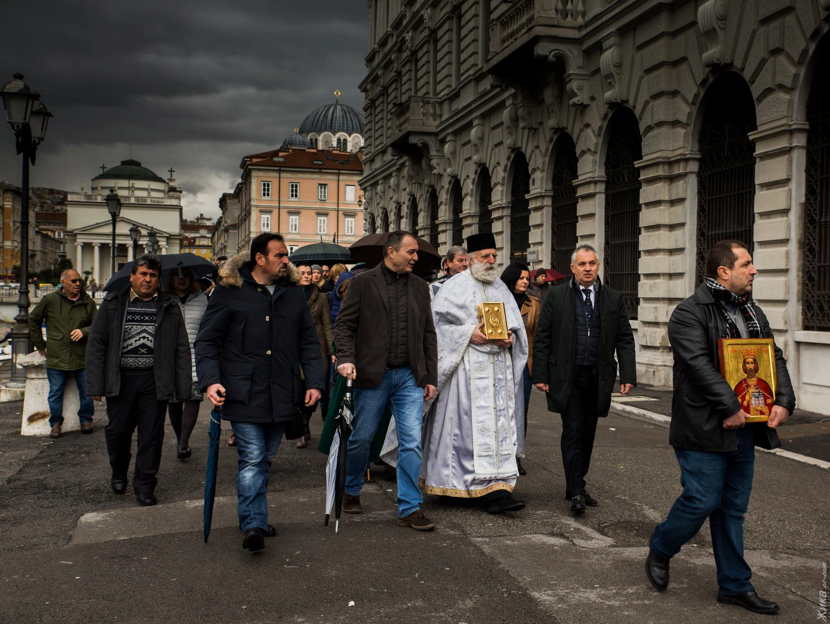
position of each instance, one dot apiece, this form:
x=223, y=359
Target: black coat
x=702, y=398
x=172, y=368
x=253, y=343
x=361, y=332
x=554, y=349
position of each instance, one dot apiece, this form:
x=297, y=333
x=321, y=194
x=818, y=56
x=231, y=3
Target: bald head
x=71, y=283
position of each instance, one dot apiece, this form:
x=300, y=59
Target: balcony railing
x=416, y=114
x=515, y=19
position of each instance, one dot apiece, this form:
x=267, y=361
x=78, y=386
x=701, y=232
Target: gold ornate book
x=491, y=313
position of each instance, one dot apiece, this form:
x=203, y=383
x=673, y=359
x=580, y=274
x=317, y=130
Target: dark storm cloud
x=185, y=81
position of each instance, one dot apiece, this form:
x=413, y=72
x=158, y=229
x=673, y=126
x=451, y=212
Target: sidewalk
x=72, y=552
x=804, y=433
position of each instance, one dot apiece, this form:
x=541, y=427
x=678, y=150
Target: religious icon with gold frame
x=491, y=313
x=748, y=365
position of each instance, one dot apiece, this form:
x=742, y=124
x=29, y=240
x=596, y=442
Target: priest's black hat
x=477, y=242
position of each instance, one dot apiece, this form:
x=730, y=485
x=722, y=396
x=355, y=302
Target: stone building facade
x=648, y=129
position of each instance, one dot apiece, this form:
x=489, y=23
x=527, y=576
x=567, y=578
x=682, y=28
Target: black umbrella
x=212, y=464
x=370, y=249
x=321, y=252
x=169, y=262
x=336, y=465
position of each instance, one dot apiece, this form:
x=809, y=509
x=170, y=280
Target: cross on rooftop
x=172, y=171
x=103, y=168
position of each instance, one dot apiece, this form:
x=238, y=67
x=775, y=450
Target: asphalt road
x=71, y=551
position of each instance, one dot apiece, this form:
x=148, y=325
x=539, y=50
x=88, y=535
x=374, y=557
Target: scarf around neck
x=744, y=303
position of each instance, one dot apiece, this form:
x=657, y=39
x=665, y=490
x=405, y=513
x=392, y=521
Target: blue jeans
x=57, y=383
x=256, y=445
x=400, y=388
x=715, y=486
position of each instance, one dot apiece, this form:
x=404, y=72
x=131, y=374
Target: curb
x=639, y=413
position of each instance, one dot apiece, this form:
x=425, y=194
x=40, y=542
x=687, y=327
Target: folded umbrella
x=169, y=262
x=336, y=486
x=212, y=464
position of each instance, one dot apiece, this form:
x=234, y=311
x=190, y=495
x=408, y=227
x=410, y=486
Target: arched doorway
x=622, y=208
x=370, y=224
x=457, y=203
x=519, y=210
x=726, y=176
x=816, y=291
x=564, y=218
x=485, y=197
x=432, y=207
x=384, y=220
x=413, y=216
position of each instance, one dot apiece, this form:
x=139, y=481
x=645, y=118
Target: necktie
x=589, y=308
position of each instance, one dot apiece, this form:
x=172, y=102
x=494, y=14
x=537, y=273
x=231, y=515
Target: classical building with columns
x=648, y=129
x=147, y=201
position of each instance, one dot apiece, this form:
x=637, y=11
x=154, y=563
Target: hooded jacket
x=254, y=342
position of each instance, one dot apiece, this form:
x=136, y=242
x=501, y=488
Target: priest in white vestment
x=474, y=428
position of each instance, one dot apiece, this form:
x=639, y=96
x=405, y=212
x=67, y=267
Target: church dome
x=296, y=140
x=333, y=118
x=129, y=170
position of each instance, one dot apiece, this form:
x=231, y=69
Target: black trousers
x=136, y=406
x=579, y=426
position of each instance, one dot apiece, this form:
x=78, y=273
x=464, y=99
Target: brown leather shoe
x=351, y=504
x=302, y=442
x=56, y=432
x=86, y=427
x=417, y=520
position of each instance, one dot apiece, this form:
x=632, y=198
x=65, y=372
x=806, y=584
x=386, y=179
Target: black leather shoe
x=589, y=500
x=146, y=500
x=751, y=601
x=119, y=485
x=505, y=503
x=657, y=570
x=269, y=532
x=253, y=540
x=578, y=503
x=183, y=453
x=522, y=471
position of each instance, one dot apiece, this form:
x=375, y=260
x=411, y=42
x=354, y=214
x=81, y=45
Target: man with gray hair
x=456, y=262
x=581, y=326
x=68, y=313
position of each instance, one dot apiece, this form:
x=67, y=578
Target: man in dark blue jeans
x=255, y=336
x=714, y=444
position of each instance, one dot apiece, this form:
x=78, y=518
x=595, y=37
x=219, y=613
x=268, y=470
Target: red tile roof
x=304, y=159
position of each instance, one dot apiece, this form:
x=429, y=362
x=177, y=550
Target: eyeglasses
x=73, y=281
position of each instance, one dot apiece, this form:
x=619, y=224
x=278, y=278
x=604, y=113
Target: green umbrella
x=321, y=252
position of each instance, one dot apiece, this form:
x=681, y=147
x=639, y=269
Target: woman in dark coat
x=517, y=278
x=318, y=304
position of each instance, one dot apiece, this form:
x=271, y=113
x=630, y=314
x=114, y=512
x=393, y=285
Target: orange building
x=307, y=190
x=307, y=195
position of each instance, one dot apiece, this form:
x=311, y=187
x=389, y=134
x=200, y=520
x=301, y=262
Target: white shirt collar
x=592, y=288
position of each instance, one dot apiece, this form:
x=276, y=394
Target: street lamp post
x=114, y=208
x=152, y=241
x=135, y=235
x=28, y=118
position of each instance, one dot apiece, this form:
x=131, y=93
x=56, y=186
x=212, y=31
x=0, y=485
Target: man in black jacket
x=581, y=325
x=713, y=444
x=138, y=357
x=255, y=335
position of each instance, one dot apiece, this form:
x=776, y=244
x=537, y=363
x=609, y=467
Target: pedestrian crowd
x=442, y=375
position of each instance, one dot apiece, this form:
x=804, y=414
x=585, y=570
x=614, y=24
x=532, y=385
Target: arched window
x=456, y=202
x=519, y=210
x=622, y=208
x=726, y=176
x=564, y=218
x=485, y=195
x=816, y=291
x=413, y=216
x=432, y=207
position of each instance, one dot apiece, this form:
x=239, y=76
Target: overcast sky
x=192, y=84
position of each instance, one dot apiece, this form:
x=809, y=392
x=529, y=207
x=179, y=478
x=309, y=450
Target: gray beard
x=484, y=272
